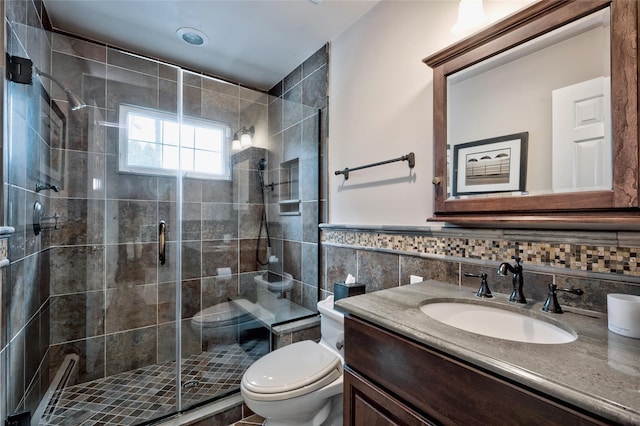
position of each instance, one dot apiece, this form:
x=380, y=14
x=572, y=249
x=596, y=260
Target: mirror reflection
x=535, y=119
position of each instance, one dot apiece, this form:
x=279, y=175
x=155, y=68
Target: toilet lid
x=300, y=365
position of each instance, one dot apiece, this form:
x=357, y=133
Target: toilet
x=301, y=384
x=220, y=323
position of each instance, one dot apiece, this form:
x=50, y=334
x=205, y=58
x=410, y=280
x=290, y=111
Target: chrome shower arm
x=74, y=100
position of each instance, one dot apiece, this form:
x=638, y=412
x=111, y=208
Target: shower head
x=262, y=164
x=75, y=102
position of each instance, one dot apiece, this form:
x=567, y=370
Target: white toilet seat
x=219, y=315
x=292, y=371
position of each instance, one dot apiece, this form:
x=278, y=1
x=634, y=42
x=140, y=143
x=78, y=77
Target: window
x=149, y=144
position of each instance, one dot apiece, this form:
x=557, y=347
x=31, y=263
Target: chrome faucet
x=516, y=295
x=552, y=305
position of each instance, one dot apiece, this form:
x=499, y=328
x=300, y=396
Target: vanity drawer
x=445, y=389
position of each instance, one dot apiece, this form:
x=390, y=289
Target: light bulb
x=470, y=16
x=245, y=140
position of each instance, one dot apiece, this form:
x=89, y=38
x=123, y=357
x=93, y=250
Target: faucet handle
x=572, y=290
x=469, y=274
x=484, y=290
x=552, y=304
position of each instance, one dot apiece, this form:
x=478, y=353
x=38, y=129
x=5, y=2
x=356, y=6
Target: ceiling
x=252, y=42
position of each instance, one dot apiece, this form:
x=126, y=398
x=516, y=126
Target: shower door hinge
x=19, y=70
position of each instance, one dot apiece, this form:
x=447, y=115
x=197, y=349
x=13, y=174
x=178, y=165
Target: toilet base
x=329, y=415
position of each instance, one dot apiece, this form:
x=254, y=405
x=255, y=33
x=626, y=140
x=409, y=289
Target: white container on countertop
x=623, y=314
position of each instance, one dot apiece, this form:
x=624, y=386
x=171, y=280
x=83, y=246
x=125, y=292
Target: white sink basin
x=497, y=322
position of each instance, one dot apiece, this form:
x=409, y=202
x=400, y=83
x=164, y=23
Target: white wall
x=381, y=107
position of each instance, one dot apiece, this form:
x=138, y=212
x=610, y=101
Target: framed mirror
x=563, y=73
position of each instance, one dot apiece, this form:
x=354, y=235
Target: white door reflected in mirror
x=582, y=136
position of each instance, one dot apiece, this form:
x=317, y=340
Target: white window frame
x=123, y=144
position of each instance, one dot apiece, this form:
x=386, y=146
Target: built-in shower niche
x=289, y=202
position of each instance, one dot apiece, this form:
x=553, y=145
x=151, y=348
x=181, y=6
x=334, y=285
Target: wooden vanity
x=403, y=367
x=391, y=380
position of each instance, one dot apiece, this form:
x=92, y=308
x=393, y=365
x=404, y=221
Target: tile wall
x=298, y=121
x=94, y=287
x=597, y=262
x=118, y=311
x=26, y=287
x=4, y=342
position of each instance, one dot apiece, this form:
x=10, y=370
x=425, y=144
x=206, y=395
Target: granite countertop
x=600, y=371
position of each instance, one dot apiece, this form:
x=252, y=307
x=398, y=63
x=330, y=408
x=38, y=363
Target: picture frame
x=491, y=165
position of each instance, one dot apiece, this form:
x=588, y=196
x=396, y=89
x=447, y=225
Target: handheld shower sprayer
x=262, y=165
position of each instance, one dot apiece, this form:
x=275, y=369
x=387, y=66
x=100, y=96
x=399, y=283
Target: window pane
x=142, y=128
x=170, y=158
x=208, y=138
x=151, y=139
x=208, y=162
x=170, y=133
x=187, y=136
x=187, y=159
x=144, y=154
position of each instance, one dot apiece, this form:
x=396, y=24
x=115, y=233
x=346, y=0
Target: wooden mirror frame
x=618, y=207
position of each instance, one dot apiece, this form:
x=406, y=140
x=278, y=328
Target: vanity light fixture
x=192, y=36
x=243, y=138
x=470, y=16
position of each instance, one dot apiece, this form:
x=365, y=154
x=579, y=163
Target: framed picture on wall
x=490, y=165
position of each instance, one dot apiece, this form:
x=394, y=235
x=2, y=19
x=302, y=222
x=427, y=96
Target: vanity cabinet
x=616, y=202
x=391, y=380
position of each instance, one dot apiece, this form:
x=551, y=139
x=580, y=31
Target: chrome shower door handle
x=162, y=242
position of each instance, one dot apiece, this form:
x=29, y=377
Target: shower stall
x=151, y=262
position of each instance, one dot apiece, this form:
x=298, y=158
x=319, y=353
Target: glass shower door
x=142, y=232
x=166, y=254
x=91, y=163
x=220, y=216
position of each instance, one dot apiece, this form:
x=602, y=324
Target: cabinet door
x=450, y=391
x=367, y=405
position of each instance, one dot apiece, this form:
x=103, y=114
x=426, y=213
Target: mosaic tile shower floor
x=136, y=396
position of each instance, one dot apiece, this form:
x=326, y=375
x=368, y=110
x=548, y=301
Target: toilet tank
x=331, y=326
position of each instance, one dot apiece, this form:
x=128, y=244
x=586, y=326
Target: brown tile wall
x=297, y=128
x=98, y=290
x=122, y=300
x=25, y=284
